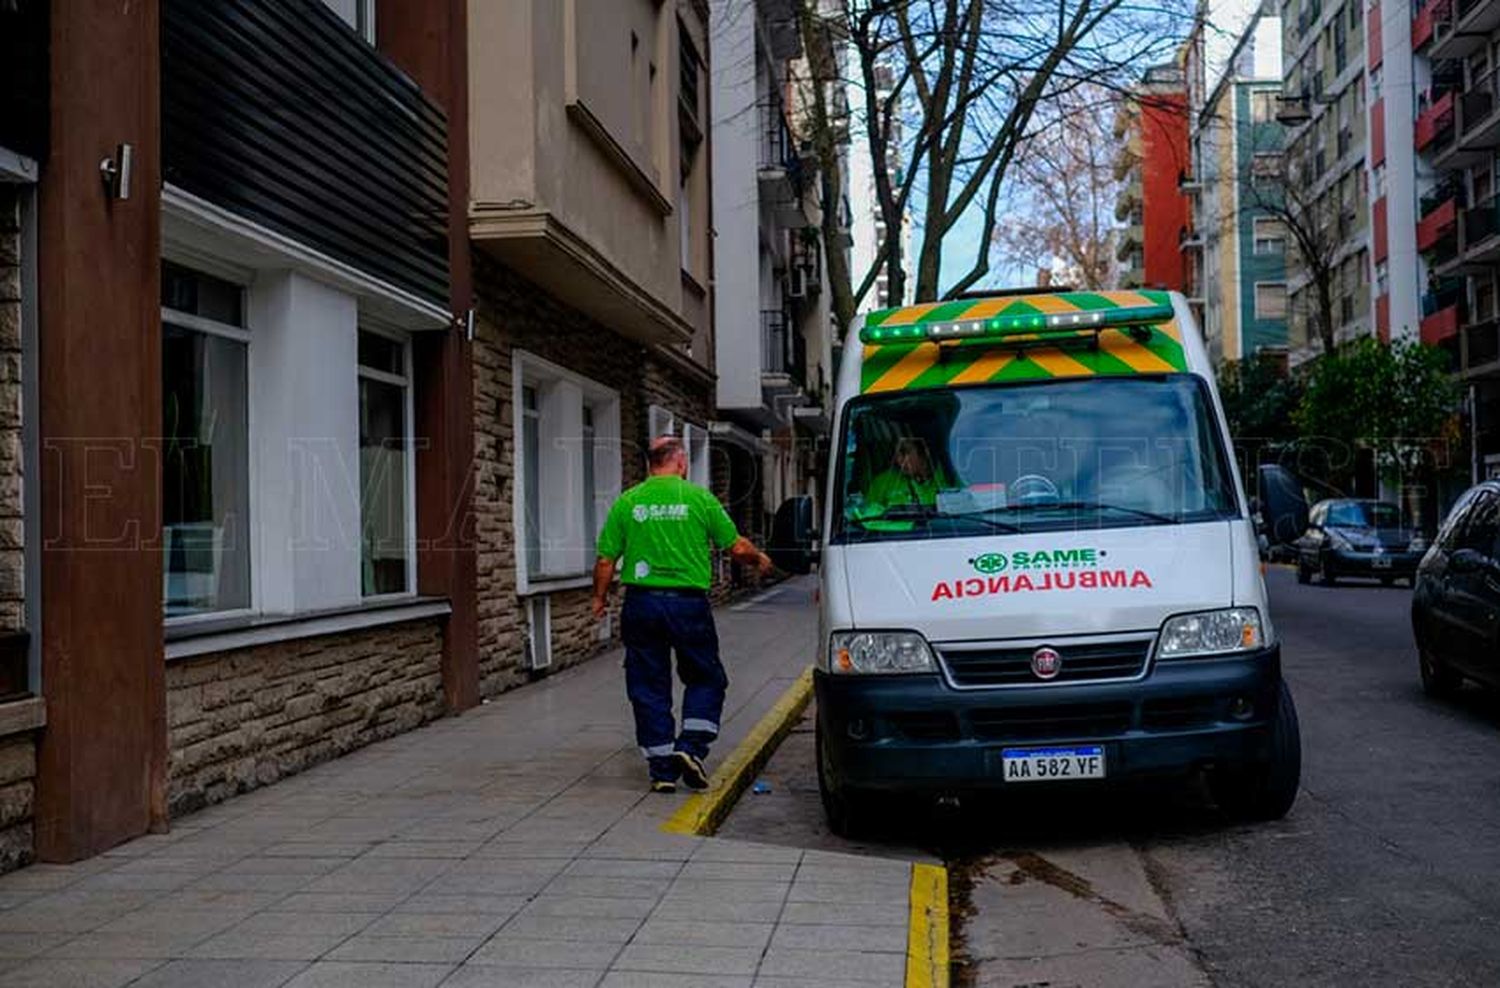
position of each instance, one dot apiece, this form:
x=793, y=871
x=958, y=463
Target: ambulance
x=1037, y=561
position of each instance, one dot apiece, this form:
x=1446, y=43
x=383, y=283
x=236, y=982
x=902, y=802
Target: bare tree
x=1285, y=187
x=1062, y=194
x=947, y=93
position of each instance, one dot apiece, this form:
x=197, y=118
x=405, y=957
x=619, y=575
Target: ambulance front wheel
x=1265, y=790
x=845, y=810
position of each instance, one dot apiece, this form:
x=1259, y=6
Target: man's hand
x=600, y=606
x=745, y=553
x=763, y=565
x=604, y=571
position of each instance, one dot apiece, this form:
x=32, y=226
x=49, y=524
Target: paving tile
x=351, y=974
x=615, y=888
x=704, y=933
x=425, y=949
x=815, y=965
x=310, y=923
x=500, y=847
x=339, y=902
x=765, y=982
x=22, y=945
x=548, y=904
x=284, y=865
x=503, y=906
x=845, y=892
x=875, y=913
x=875, y=874
x=593, y=929
x=714, y=891
x=622, y=868
x=450, y=924
x=424, y=849
x=672, y=959
x=719, y=910
x=221, y=882
x=475, y=976
x=545, y=953
x=56, y=919
x=743, y=851
x=221, y=974
x=49, y=972
x=764, y=871
x=233, y=945
x=157, y=943
x=221, y=900
x=317, y=849
x=656, y=979
x=486, y=883
x=877, y=939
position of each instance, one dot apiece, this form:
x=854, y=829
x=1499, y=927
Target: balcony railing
x=1444, y=293
x=1437, y=223
x=1450, y=189
x=1481, y=345
x=782, y=348
x=1435, y=118
x=1481, y=223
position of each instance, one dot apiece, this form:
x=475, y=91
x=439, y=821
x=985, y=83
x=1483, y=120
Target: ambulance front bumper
x=918, y=733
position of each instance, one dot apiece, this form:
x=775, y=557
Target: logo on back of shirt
x=640, y=512
x=659, y=512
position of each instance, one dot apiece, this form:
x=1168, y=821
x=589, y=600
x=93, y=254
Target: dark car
x=1455, y=611
x=1353, y=537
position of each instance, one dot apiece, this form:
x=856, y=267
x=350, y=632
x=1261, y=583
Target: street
x=1383, y=873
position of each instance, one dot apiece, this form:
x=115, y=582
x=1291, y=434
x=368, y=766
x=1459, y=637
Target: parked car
x=1455, y=611
x=1354, y=537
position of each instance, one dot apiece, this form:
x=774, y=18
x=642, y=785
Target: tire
x=1387, y=581
x=1439, y=681
x=1304, y=572
x=844, y=809
x=1325, y=575
x=1265, y=790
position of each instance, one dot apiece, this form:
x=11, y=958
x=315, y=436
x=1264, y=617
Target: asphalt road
x=1386, y=872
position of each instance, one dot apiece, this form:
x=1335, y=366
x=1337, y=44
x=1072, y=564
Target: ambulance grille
x=1011, y=666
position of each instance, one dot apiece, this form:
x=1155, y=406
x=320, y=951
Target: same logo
x=990, y=562
x=1046, y=663
x=640, y=512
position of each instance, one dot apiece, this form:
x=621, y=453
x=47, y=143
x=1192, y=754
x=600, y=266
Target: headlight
x=1234, y=629
x=878, y=652
x=1339, y=540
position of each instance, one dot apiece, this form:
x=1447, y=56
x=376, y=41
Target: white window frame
x=530, y=370
x=242, y=335
x=663, y=422
x=408, y=440
x=1255, y=300
x=1268, y=241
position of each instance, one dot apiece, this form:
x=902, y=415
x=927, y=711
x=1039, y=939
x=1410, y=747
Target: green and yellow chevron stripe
x=910, y=366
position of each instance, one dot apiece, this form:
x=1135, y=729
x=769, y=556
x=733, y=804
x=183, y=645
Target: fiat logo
x=1046, y=663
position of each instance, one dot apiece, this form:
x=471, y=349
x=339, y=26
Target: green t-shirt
x=892, y=487
x=666, y=528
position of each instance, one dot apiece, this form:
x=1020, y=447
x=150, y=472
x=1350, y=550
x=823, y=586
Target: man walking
x=666, y=529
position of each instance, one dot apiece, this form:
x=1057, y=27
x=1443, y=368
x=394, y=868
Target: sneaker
x=663, y=785
x=694, y=776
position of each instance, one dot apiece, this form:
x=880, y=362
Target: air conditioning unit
x=539, y=633
x=797, y=282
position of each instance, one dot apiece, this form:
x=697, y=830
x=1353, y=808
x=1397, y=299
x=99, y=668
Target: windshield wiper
x=1092, y=505
x=927, y=512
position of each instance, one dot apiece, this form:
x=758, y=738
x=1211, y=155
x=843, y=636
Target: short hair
x=662, y=451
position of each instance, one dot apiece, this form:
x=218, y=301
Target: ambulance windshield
x=1045, y=456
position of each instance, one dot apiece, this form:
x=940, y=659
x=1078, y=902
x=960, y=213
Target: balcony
x=1435, y=121
x=1479, y=348
x=277, y=112
x=1424, y=22
x=1190, y=238
x=1478, y=127
x=1439, y=220
x=1461, y=27
x=1442, y=311
x=1481, y=235
x=783, y=353
x=780, y=169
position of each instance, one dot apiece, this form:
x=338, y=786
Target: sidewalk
x=512, y=846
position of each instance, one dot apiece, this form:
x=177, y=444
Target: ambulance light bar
x=1037, y=325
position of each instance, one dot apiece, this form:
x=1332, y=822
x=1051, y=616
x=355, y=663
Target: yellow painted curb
x=927, y=931
x=702, y=812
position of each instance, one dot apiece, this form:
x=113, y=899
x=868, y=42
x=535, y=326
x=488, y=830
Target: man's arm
x=604, y=572
x=744, y=552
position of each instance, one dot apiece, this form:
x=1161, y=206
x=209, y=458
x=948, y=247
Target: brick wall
x=242, y=719
x=17, y=752
x=513, y=313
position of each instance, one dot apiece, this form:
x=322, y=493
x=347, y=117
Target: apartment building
x=1235, y=250
x=774, y=331
x=1151, y=126
x=228, y=313
x=589, y=213
x=1456, y=138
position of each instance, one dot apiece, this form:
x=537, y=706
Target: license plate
x=1052, y=764
x=1381, y=562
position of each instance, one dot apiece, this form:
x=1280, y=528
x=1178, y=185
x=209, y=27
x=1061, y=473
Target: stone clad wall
x=515, y=313
x=18, y=751
x=242, y=719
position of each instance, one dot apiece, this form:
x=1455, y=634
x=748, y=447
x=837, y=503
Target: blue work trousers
x=653, y=626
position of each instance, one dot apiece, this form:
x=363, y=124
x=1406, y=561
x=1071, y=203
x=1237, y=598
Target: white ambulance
x=1038, y=565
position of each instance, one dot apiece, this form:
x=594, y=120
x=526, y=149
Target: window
x=385, y=467
x=205, y=445
x=1270, y=300
x=1382, y=279
x=1270, y=236
x=1482, y=527
x=358, y=14
x=567, y=470
x=1262, y=106
x=662, y=422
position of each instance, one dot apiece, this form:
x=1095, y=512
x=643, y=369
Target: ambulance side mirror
x=794, y=538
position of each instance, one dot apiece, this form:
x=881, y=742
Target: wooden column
x=101, y=773
x=428, y=39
